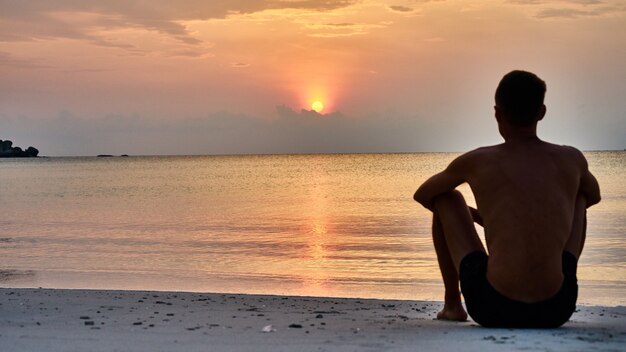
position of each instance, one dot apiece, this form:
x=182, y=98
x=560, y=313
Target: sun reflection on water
x=315, y=277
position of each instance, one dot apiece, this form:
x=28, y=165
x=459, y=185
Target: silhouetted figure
x=531, y=198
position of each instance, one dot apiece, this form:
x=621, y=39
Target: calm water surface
x=323, y=225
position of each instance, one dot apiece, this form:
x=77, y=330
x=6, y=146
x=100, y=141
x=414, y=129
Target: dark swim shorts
x=489, y=308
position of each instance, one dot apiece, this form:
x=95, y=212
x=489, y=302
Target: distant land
x=7, y=150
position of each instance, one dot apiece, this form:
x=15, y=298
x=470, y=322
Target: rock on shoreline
x=7, y=150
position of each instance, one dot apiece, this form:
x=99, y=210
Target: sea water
x=317, y=225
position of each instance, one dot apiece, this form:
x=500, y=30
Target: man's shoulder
x=482, y=152
x=492, y=150
x=467, y=161
x=570, y=153
x=562, y=147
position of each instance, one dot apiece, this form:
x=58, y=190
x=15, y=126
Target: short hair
x=520, y=95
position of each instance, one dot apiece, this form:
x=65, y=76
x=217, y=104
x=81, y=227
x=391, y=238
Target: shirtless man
x=532, y=198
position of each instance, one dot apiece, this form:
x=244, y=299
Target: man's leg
x=454, y=237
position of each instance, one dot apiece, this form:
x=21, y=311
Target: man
x=531, y=198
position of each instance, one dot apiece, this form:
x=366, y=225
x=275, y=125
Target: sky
x=167, y=77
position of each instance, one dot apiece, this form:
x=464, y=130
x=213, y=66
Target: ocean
x=341, y=225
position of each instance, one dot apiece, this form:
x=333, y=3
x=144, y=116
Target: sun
x=317, y=106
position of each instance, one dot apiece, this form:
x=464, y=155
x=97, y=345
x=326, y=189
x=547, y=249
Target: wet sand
x=99, y=320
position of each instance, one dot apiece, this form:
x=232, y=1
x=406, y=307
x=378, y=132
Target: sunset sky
x=240, y=76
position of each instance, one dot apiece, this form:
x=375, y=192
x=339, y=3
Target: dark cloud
x=87, y=70
x=563, y=13
x=27, y=20
x=344, y=24
x=570, y=9
x=401, y=8
x=577, y=13
x=543, y=2
x=192, y=52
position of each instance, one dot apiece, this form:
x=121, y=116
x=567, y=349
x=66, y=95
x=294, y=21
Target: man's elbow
x=593, y=200
x=422, y=198
x=416, y=196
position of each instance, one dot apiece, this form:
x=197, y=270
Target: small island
x=7, y=150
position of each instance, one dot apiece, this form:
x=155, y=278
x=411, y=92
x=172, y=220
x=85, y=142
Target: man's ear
x=498, y=113
x=542, y=112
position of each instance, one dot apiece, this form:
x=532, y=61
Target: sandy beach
x=100, y=320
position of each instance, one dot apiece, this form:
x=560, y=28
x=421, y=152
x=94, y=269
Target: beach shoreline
x=113, y=320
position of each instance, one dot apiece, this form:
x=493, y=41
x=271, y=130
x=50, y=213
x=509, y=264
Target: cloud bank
x=291, y=132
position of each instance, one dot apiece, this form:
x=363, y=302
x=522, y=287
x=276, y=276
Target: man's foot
x=454, y=313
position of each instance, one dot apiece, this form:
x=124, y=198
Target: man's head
x=519, y=97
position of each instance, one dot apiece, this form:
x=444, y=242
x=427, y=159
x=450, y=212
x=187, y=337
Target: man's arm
x=441, y=183
x=589, y=186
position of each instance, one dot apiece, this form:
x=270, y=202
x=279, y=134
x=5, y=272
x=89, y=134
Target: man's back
x=525, y=191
